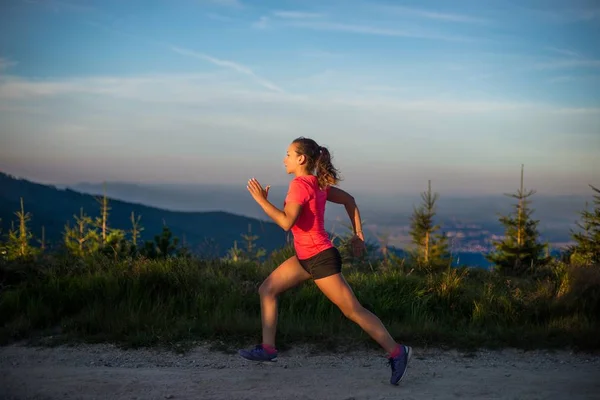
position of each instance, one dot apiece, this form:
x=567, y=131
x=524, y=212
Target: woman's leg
x=339, y=292
x=289, y=274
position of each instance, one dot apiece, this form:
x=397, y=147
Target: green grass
x=176, y=302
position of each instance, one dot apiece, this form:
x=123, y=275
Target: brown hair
x=318, y=158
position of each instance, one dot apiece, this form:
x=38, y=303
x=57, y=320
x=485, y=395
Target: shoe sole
x=405, y=369
x=273, y=360
x=261, y=362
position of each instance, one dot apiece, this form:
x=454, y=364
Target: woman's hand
x=258, y=193
x=358, y=244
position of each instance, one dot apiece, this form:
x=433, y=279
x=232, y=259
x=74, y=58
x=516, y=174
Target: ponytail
x=327, y=174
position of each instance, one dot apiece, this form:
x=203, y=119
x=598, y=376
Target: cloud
x=320, y=54
x=372, y=30
x=5, y=64
x=296, y=15
x=568, y=63
x=380, y=88
x=262, y=23
x=218, y=88
x=578, y=111
x=203, y=113
x=230, y=65
x=564, y=52
x=561, y=79
x=566, y=15
x=241, y=69
x=228, y=3
x=17, y=88
x=219, y=17
x=56, y=6
x=434, y=15
x=589, y=79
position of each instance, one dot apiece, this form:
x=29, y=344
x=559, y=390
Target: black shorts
x=323, y=264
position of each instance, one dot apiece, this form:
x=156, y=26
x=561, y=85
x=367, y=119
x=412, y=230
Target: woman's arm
x=286, y=218
x=339, y=196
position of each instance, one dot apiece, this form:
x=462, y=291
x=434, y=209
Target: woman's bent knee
x=266, y=289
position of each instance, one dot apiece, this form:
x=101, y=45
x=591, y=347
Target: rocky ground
x=107, y=372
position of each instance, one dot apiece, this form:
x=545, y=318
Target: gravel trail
x=107, y=372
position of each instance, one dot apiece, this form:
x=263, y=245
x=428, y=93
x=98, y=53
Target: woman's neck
x=302, y=173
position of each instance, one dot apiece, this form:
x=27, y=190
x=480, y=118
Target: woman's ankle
x=269, y=348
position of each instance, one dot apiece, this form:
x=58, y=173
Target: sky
x=213, y=91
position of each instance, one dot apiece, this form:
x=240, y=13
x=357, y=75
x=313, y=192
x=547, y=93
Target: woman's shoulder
x=309, y=179
x=311, y=182
x=307, y=182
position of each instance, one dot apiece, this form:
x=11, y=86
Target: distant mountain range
x=211, y=217
x=51, y=207
x=471, y=220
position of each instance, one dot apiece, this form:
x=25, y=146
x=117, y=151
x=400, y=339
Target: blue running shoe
x=399, y=365
x=258, y=354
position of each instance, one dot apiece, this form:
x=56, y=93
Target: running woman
x=315, y=257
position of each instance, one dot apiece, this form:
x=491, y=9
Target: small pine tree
x=235, y=254
x=136, y=230
x=83, y=239
x=252, y=253
x=183, y=250
x=431, y=252
x=2, y=244
x=116, y=244
x=19, y=245
x=3, y=249
x=102, y=221
x=520, y=252
x=384, y=242
x=42, y=240
x=587, y=248
x=208, y=249
x=163, y=246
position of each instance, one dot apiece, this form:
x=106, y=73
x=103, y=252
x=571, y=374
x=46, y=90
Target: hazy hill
x=52, y=207
x=474, y=219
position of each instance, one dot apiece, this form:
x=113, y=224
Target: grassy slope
x=174, y=302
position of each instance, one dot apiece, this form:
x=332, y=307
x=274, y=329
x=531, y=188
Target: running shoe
x=258, y=354
x=399, y=365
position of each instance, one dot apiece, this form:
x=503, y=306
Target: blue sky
x=204, y=91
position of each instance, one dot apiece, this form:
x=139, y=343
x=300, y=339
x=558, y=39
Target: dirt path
x=105, y=372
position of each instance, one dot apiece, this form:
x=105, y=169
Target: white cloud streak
x=564, y=52
x=209, y=88
x=565, y=15
x=568, y=63
x=230, y=65
x=219, y=17
x=228, y=3
x=241, y=69
x=439, y=16
x=561, y=79
x=262, y=23
x=297, y=14
x=371, y=30
x=5, y=64
x=56, y=6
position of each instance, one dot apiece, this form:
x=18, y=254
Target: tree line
x=520, y=252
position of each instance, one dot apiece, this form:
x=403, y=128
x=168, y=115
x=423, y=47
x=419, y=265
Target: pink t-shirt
x=310, y=236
